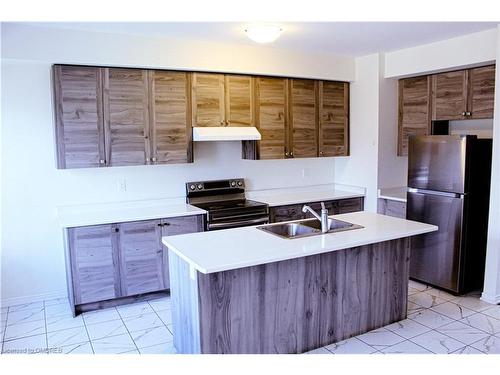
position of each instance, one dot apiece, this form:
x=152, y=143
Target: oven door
x=244, y=222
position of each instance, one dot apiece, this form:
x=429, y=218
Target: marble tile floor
x=437, y=322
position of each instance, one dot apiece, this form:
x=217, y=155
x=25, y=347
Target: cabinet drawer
x=392, y=208
x=285, y=213
x=345, y=206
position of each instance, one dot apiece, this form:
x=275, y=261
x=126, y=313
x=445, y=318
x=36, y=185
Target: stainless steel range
x=225, y=203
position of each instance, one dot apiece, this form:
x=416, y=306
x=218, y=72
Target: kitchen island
x=244, y=290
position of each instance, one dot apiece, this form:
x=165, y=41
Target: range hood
x=223, y=133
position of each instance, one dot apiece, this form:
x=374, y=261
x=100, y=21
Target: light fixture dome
x=263, y=33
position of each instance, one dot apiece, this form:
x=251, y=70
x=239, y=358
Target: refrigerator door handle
x=440, y=193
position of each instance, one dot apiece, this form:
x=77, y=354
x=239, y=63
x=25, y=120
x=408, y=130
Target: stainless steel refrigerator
x=449, y=186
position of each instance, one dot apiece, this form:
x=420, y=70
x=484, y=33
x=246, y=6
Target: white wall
x=392, y=169
x=32, y=187
x=360, y=168
x=491, y=290
x=465, y=51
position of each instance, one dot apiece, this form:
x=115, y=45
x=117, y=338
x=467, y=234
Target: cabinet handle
x=148, y=160
x=227, y=122
x=468, y=113
x=463, y=113
x=222, y=122
x=166, y=224
x=286, y=154
x=117, y=230
x=153, y=160
x=291, y=154
x=102, y=161
x=321, y=153
x=160, y=224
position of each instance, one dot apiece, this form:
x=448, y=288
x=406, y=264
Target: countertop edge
x=203, y=270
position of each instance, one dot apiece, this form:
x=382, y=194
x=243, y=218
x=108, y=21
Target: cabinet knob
x=463, y=113
x=227, y=122
x=468, y=113
x=153, y=160
x=222, y=122
x=148, y=160
x=291, y=154
x=102, y=161
x=166, y=224
x=286, y=154
x=321, y=153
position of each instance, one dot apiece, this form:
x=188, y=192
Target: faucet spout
x=323, y=218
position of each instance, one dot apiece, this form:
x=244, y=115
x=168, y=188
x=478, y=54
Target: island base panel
x=290, y=306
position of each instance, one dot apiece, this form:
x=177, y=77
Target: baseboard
x=5, y=302
x=490, y=299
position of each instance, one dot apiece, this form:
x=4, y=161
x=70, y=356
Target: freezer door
x=435, y=257
x=437, y=162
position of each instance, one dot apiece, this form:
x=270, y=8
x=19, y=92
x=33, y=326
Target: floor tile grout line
x=45, y=321
x=5, y=329
x=130, y=335
x=88, y=335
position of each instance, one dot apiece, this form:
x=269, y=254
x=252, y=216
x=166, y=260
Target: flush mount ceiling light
x=263, y=33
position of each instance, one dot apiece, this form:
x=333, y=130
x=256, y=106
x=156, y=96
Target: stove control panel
x=215, y=185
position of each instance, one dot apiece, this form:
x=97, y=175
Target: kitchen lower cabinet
x=294, y=211
x=113, y=264
x=391, y=208
x=94, y=263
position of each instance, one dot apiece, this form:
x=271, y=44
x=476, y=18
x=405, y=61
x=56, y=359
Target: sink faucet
x=323, y=218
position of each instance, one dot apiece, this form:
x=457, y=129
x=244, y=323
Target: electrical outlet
x=122, y=185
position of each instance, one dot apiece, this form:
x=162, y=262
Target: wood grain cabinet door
x=126, y=116
x=271, y=113
x=239, y=100
x=208, y=99
x=449, y=95
x=79, y=116
x=344, y=206
x=481, y=92
x=303, y=118
x=170, y=117
x=94, y=263
x=141, y=263
x=173, y=226
x=333, y=118
x=414, y=110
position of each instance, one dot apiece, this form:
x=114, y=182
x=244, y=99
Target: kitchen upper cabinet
x=303, y=118
x=170, y=117
x=141, y=258
x=208, y=99
x=239, y=100
x=79, y=116
x=94, y=263
x=222, y=100
x=481, y=92
x=126, y=116
x=414, y=110
x=333, y=102
x=271, y=118
x=449, y=95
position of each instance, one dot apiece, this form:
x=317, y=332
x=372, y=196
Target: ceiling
x=341, y=38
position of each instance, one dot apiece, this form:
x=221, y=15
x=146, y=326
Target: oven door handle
x=235, y=224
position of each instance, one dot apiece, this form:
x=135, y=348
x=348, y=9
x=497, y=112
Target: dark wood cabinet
x=414, y=110
x=170, y=117
x=449, y=95
x=481, y=92
x=333, y=103
x=456, y=95
x=391, y=207
x=208, y=99
x=294, y=211
x=126, y=116
x=303, y=118
x=117, y=261
x=141, y=258
x=94, y=263
x=120, y=117
x=79, y=116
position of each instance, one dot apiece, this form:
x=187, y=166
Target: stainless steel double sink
x=308, y=227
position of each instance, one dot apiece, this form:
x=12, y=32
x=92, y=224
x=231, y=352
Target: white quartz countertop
x=229, y=249
x=281, y=197
x=106, y=213
x=394, y=194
